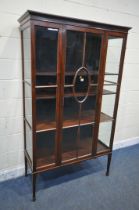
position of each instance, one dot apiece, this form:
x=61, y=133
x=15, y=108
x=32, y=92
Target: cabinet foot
x=34, y=187
x=108, y=164
x=26, y=166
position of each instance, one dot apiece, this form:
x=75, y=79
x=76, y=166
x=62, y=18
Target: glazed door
x=46, y=92
x=81, y=70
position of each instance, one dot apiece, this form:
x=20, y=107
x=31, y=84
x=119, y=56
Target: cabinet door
x=46, y=90
x=82, y=63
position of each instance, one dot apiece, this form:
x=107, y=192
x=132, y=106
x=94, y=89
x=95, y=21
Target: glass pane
x=110, y=79
x=76, y=41
x=88, y=107
x=46, y=49
x=27, y=90
x=28, y=103
x=108, y=102
x=28, y=133
x=46, y=80
x=69, y=144
x=109, y=89
x=85, y=141
x=104, y=136
x=74, y=51
x=113, y=55
x=93, y=49
x=111, y=74
x=110, y=84
x=77, y=142
x=27, y=54
x=46, y=55
x=71, y=111
x=27, y=74
x=46, y=109
x=45, y=143
x=45, y=93
x=77, y=124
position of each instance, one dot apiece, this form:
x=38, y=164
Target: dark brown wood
x=29, y=161
x=108, y=164
x=34, y=186
x=55, y=18
x=84, y=48
x=59, y=98
x=100, y=91
x=41, y=161
x=26, y=166
x=33, y=79
x=82, y=68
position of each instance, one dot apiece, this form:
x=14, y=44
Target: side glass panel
x=46, y=91
x=109, y=91
x=28, y=133
x=113, y=55
x=27, y=55
x=27, y=89
x=80, y=89
x=28, y=103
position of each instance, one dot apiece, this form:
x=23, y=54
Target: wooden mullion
x=100, y=91
x=84, y=49
x=60, y=99
x=33, y=79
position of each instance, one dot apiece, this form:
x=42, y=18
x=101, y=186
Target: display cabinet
x=72, y=71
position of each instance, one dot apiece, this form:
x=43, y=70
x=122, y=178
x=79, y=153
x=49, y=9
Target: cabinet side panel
x=111, y=89
x=26, y=35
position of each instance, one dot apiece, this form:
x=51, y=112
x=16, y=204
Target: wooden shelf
x=108, y=82
x=108, y=92
x=45, y=126
x=67, y=73
x=71, y=73
x=43, y=95
x=101, y=147
x=105, y=118
x=46, y=73
x=111, y=74
x=87, y=118
x=43, y=157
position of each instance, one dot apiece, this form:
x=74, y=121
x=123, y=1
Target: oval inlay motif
x=81, y=84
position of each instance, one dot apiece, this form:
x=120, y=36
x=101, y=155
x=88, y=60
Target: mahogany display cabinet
x=72, y=71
